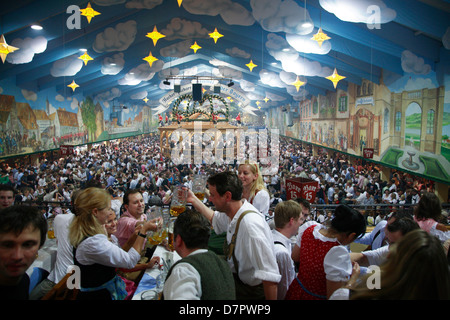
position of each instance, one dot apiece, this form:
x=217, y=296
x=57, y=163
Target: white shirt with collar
x=285, y=263
x=254, y=249
x=184, y=282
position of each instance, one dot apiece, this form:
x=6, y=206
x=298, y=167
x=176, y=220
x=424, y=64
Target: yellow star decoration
x=5, y=48
x=89, y=13
x=73, y=85
x=150, y=59
x=320, y=37
x=266, y=99
x=251, y=65
x=179, y=2
x=145, y=99
x=215, y=35
x=195, y=47
x=298, y=83
x=85, y=57
x=335, y=78
x=155, y=35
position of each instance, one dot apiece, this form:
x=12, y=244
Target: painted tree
x=88, y=116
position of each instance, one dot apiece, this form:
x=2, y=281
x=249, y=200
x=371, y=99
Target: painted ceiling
x=369, y=39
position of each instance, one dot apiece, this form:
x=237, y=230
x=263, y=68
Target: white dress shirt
x=285, y=263
x=184, y=282
x=254, y=248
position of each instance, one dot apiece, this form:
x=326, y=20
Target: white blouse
x=261, y=201
x=98, y=249
x=337, y=263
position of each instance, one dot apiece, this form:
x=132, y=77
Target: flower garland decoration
x=206, y=97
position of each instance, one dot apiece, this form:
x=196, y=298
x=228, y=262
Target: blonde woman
x=254, y=189
x=94, y=254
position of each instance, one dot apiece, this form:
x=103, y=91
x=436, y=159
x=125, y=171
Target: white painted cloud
x=304, y=43
x=418, y=84
x=271, y=78
x=164, y=73
x=113, y=65
x=247, y=85
x=28, y=48
x=59, y=98
x=116, y=39
x=218, y=63
x=108, y=2
x=68, y=66
x=238, y=53
x=139, y=95
x=184, y=29
x=231, y=12
x=143, y=4
x=109, y=95
x=227, y=72
x=143, y=72
x=305, y=67
x=280, y=49
x=177, y=50
x=74, y=104
x=29, y=95
x=290, y=59
x=446, y=39
x=361, y=11
x=282, y=16
x=413, y=64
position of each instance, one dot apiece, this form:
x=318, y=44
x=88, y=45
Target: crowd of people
x=110, y=186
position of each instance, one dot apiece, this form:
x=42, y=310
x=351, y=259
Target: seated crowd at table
x=285, y=249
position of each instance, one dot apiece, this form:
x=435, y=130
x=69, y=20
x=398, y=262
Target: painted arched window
x=386, y=121
x=398, y=121
x=430, y=122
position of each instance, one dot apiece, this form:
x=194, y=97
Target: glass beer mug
x=156, y=237
x=199, y=185
x=170, y=233
x=178, y=203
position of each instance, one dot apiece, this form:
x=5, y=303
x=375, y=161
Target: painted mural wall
x=38, y=121
x=407, y=124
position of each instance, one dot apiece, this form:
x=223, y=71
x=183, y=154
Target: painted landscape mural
x=408, y=127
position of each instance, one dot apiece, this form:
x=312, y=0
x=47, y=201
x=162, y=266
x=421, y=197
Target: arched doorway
x=413, y=125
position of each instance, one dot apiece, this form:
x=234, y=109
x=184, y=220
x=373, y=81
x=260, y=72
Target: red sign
x=368, y=153
x=301, y=188
x=65, y=150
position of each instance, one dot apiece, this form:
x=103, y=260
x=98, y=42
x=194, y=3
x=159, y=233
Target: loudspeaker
x=176, y=88
x=196, y=91
x=216, y=89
